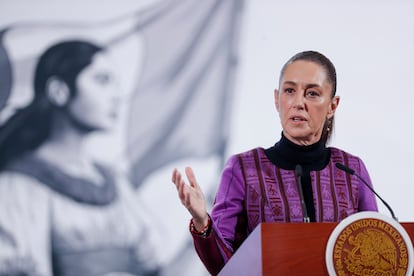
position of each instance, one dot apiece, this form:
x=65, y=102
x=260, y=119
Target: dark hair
x=327, y=65
x=29, y=127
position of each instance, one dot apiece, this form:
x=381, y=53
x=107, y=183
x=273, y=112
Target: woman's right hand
x=191, y=197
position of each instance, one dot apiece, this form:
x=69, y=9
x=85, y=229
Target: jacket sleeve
x=366, y=200
x=228, y=228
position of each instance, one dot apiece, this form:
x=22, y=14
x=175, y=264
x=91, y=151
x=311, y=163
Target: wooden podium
x=286, y=249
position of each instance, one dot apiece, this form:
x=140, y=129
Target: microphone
x=298, y=172
x=352, y=172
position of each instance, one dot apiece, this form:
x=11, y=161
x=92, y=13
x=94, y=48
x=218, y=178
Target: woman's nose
x=299, y=100
x=116, y=98
x=116, y=91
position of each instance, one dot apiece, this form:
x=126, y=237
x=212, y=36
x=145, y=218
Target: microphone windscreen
x=344, y=168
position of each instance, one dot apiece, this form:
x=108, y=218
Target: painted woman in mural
x=61, y=212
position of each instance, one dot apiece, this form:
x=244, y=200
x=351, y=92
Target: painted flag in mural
x=183, y=100
x=180, y=56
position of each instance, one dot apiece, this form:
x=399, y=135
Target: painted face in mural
x=304, y=102
x=96, y=104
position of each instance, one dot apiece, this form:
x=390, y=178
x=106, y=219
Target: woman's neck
x=65, y=148
x=73, y=161
x=286, y=155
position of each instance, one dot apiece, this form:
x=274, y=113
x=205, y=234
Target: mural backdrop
x=90, y=107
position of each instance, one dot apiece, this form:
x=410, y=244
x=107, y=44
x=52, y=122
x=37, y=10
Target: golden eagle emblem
x=373, y=253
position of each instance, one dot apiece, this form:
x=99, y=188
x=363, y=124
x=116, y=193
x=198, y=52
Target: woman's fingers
x=174, y=175
x=176, y=178
x=191, y=177
x=190, y=195
x=179, y=183
x=187, y=193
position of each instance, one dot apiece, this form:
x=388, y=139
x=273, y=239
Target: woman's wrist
x=201, y=229
x=201, y=223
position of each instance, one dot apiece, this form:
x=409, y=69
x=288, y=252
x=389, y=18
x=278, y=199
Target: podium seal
x=368, y=243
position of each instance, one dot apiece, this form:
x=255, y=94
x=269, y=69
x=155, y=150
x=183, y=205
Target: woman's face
x=96, y=103
x=304, y=102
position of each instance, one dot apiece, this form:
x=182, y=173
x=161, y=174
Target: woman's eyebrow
x=309, y=85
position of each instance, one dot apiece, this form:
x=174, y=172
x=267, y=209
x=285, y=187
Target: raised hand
x=191, y=197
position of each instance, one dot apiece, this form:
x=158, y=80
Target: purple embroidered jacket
x=253, y=190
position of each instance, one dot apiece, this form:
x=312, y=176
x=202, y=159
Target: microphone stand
x=352, y=172
x=298, y=171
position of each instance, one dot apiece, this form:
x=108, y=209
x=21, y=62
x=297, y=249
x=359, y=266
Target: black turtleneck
x=286, y=155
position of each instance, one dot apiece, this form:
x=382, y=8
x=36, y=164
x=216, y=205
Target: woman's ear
x=333, y=106
x=57, y=91
x=276, y=96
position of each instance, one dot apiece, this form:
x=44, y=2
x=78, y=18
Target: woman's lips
x=298, y=119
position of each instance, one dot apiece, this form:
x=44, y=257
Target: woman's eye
x=312, y=94
x=102, y=78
